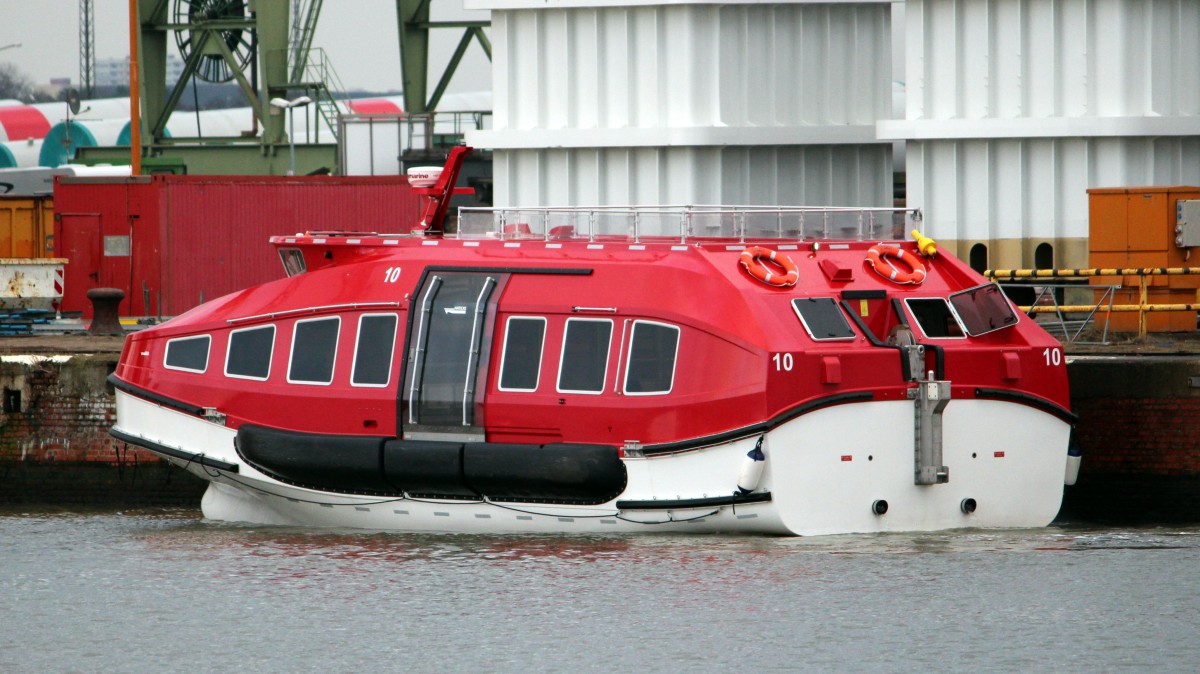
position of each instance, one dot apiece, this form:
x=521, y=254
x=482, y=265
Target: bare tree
x=15, y=84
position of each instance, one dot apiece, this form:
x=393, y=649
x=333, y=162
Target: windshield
x=983, y=309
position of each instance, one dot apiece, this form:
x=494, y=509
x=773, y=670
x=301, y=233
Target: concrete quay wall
x=1139, y=428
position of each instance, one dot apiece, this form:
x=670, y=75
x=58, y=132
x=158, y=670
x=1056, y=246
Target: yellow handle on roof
x=926, y=245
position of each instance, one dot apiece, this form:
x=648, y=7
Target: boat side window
x=521, y=361
x=651, y=364
x=373, y=352
x=983, y=309
x=822, y=319
x=314, y=345
x=293, y=261
x=584, y=363
x=249, y=354
x=188, y=353
x=935, y=318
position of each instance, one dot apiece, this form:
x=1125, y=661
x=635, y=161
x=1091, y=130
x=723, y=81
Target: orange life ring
x=878, y=256
x=752, y=259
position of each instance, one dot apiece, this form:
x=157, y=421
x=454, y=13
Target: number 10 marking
x=783, y=362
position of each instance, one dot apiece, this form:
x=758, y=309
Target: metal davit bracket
x=931, y=398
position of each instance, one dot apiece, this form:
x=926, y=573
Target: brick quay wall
x=55, y=412
x=1139, y=430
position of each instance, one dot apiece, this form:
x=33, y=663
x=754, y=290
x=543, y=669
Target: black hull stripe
x=761, y=427
x=1031, y=400
x=173, y=452
x=679, y=504
x=705, y=441
x=153, y=397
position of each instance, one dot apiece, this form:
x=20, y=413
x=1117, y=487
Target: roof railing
x=682, y=224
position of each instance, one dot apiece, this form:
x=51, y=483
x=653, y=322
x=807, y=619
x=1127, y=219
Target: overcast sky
x=359, y=37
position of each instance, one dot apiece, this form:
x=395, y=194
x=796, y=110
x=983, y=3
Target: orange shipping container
x=1135, y=227
x=27, y=227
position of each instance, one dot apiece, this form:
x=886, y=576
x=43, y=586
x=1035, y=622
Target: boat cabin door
x=450, y=338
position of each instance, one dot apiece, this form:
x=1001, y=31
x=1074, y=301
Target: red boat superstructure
x=608, y=369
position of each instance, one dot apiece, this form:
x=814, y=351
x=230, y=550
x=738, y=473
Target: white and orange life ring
x=880, y=258
x=752, y=259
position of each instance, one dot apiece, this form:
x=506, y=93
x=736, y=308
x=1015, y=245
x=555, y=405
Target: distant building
x=115, y=71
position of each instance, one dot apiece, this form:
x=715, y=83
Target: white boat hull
x=825, y=471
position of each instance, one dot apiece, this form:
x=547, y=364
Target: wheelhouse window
x=983, y=309
x=293, y=261
x=584, y=364
x=249, y=354
x=822, y=319
x=935, y=318
x=651, y=365
x=314, y=345
x=373, y=352
x=521, y=362
x=188, y=353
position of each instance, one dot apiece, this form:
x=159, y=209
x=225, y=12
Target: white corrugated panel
x=798, y=175
x=976, y=59
x=1021, y=188
x=682, y=102
x=1016, y=108
x=692, y=65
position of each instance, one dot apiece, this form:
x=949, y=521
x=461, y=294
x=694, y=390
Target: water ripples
x=155, y=590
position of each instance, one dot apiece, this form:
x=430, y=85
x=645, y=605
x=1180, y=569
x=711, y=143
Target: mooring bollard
x=105, y=305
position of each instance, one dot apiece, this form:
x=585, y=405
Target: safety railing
x=379, y=143
x=1104, y=293
x=638, y=224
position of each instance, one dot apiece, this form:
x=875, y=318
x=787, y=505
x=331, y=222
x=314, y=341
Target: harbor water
x=165, y=590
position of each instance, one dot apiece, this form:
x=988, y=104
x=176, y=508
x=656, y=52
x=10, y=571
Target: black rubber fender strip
x=172, y=452
x=762, y=427
x=1031, y=400
x=156, y=398
x=349, y=464
x=680, y=504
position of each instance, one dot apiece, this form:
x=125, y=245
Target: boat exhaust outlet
x=967, y=505
x=931, y=398
x=879, y=507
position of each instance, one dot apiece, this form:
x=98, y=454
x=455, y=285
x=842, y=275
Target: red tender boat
x=770, y=370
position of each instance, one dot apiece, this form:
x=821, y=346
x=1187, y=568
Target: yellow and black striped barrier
x=1014, y=274
x=1143, y=306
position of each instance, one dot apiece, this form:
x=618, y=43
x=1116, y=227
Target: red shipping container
x=171, y=241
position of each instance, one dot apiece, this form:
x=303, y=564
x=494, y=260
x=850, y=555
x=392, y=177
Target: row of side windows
x=582, y=368
x=584, y=359
x=311, y=361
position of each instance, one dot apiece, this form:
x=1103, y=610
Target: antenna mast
x=87, y=48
